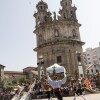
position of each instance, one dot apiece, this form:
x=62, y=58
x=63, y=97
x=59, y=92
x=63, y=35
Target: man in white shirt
x=56, y=85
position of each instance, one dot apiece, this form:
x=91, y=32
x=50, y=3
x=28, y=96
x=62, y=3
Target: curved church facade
x=58, y=37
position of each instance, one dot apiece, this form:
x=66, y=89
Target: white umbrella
x=57, y=68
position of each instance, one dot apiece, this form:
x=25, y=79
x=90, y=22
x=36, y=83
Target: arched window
x=41, y=7
x=87, y=71
x=79, y=58
x=38, y=18
x=92, y=70
x=59, y=59
x=66, y=3
x=45, y=18
x=64, y=15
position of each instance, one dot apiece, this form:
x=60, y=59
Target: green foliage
x=8, y=87
x=14, y=82
x=10, y=84
x=23, y=80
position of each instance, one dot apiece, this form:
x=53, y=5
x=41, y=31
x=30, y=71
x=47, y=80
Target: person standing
x=46, y=87
x=56, y=85
x=79, y=89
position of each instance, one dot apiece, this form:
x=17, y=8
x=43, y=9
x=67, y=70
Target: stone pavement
x=88, y=97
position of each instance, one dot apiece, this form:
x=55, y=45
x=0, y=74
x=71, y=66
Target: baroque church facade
x=58, y=37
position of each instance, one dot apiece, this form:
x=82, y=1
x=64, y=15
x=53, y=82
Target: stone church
x=58, y=37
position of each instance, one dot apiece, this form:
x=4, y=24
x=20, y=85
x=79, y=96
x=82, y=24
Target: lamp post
x=79, y=62
x=40, y=66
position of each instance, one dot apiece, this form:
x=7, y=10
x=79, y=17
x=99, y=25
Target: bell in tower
x=42, y=15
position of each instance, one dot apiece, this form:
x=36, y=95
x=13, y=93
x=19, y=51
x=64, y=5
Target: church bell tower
x=58, y=37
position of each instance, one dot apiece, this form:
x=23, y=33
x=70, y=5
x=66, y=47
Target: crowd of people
x=17, y=90
x=75, y=86
x=48, y=88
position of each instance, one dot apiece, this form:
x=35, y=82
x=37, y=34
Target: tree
x=23, y=80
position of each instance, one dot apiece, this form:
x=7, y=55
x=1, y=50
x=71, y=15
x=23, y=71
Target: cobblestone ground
x=87, y=97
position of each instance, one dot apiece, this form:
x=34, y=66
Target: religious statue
x=54, y=71
x=54, y=15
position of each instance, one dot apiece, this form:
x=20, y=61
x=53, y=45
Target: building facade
x=92, y=56
x=93, y=69
x=58, y=37
x=92, y=60
x=1, y=75
x=9, y=76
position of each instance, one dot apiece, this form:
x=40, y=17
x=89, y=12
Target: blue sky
x=17, y=23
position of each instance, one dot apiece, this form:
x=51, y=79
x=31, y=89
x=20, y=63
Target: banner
x=88, y=85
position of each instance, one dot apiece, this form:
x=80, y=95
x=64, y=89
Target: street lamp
x=79, y=62
x=40, y=66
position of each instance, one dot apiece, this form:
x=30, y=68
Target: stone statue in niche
x=74, y=33
x=73, y=16
x=56, y=33
x=54, y=15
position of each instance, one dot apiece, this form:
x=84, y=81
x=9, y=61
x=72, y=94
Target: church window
x=89, y=62
x=45, y=18
x=96, y=70
x=66, y=3
x=87, y=71
x=92, y=70
x=59, y=60
x=88, y=54
x=79, y=58
x=64, y=15
x=88, y=58
x=38, y=18
x=94, y=66
x=41, y=7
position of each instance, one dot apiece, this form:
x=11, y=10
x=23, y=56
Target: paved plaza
x=88, y=97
